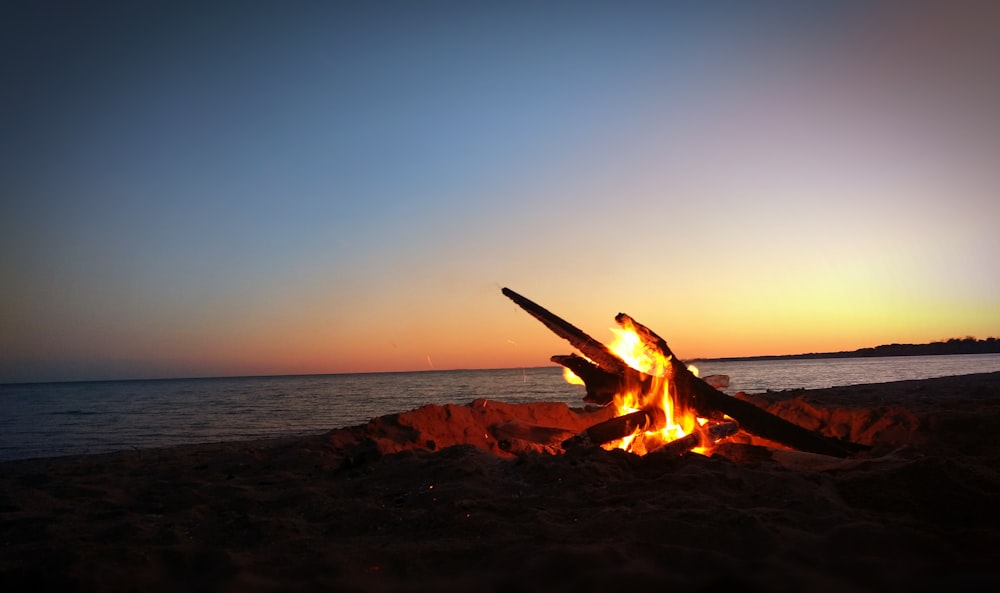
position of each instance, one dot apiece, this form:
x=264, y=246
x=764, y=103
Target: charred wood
x=600, y=384
x=677, y=447
x=591, y=348
x=703, y=436
x=617, y=428
x=708, y=402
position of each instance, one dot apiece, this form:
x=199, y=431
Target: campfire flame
x=628, y=346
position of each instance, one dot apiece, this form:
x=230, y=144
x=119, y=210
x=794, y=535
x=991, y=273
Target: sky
x=257, y=188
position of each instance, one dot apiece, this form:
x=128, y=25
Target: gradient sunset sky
x=283, y=188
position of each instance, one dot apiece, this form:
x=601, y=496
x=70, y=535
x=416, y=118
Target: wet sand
x=428, y=501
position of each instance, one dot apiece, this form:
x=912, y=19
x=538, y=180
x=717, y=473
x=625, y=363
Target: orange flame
x=571, y=377
x=628, y=346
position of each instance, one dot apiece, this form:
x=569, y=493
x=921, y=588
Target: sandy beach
x=428, y=500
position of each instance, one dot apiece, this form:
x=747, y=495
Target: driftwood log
x=595, y=351
x=617, y=428
x=604, y=374
x=703, y=436
x=602, y=385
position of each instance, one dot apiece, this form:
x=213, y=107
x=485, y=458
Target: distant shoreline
x=952, y=346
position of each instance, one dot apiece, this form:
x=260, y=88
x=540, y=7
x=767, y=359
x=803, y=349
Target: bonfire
x=660, y=404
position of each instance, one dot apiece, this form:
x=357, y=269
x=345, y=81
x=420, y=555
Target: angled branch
x=602, y=385
x=591, y=348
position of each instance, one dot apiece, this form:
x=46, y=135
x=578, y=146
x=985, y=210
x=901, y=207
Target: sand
x=428, y=501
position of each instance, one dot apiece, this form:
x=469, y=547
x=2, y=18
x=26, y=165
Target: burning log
x=704, y=437
x=600, y=384
x=617, y=428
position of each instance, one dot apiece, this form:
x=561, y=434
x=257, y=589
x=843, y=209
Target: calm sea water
x=50, y=419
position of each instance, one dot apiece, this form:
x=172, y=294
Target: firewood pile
x=663, y=407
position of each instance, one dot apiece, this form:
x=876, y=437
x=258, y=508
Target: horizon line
x=811, y=355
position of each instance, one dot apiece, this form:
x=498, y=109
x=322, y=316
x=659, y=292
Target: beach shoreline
x=420, y=501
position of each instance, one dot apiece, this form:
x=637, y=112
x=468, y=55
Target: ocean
x=53, y=419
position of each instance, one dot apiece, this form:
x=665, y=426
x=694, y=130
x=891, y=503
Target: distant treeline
x=967, y=345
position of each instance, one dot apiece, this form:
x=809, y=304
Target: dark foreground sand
x=373, y=508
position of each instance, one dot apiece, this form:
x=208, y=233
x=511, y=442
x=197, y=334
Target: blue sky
x=334, y=187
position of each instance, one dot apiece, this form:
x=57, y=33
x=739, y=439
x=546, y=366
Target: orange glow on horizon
x=484, y=332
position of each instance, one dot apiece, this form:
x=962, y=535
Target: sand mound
x=879, y=425
x=486, y=424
